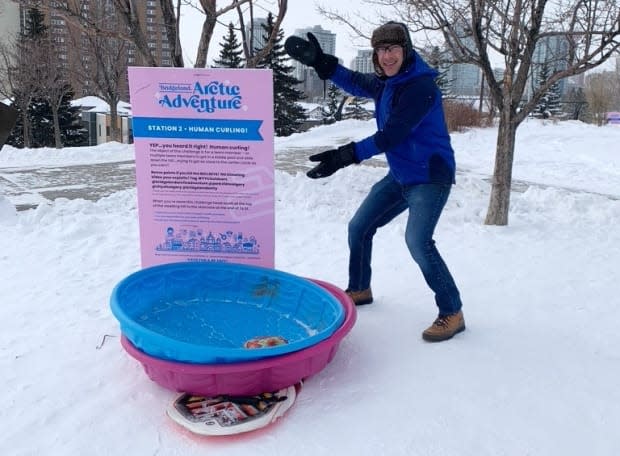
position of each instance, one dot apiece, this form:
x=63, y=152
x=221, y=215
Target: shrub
x=461, y=116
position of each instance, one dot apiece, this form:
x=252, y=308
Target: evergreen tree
x=230, y=52
x=40, y=116
x=16, y=138
x=549, y=104
x=72, y=132
x=437, y=60
x=32, y=46
x=34, y=25
x=289, y=115
x=329, y=110
x=555, y=99
x=42, y=97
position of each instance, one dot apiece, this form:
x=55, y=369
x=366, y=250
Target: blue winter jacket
x=411, y=126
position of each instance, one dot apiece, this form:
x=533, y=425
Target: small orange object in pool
x=265, y=341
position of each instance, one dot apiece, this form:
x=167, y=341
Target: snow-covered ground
x=536, y=372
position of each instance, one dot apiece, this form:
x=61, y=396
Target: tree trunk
x=203, y=44
x=57, y=138
x=171, y=21
x=27, y=134
x=115, y=131
x=499, y=203
x=207, y=32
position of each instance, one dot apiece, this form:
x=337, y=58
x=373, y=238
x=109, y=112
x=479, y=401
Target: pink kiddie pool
x=214, y=313
x=249, y=377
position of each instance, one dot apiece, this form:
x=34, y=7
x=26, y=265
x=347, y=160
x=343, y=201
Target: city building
x=312, y=86
x=74, y=53
x=464, y=79
x=551, y=51
x=363, y=61
x=9, y=21
x=256, y=33
x=9, y=25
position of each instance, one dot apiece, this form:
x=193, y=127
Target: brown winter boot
x=444, y=327
x=360, y=297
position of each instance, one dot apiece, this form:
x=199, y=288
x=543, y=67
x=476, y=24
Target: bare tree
x=21, y=79
x=103, y=46
x=600, y=91
x=107, y=74
x=172, y=18
x=103, y=60
x=17, y=86
x=7, y=54
x=52, y=81
x=254, y=56
x=476, y=30
x=245, y=13
x=54, y=88
x=129, y=11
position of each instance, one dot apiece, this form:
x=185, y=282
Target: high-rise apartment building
x=9, y=23
x=75, y=54
x=552, y=52
x=326, y=39
x=9, y=20
x=363, y=61
x=313, y=86
x=464, y=79
x=258, y=33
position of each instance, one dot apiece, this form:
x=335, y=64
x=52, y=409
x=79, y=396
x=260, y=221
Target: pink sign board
x=204, y=164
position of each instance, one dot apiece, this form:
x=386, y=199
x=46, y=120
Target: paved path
x=28, y=187
x=31, y=186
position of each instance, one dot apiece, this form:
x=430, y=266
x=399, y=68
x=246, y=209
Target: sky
x=535, y=373
x=300, y=14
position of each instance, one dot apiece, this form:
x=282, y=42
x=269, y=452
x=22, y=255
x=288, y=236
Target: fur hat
x=391, y=33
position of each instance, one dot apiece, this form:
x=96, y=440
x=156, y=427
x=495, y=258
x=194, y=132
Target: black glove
x=332, y=161
x=310, y=53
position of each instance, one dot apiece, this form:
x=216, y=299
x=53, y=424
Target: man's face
x=390, y=58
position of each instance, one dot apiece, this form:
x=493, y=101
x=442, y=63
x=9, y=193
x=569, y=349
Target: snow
x=11, y=157
x=96, y=104
x=536, y=372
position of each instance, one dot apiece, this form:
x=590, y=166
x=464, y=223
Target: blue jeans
x=386, y=200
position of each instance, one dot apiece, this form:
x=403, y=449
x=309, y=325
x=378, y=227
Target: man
x=412, y=133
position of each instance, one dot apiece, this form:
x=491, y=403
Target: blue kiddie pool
x=222, y=312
